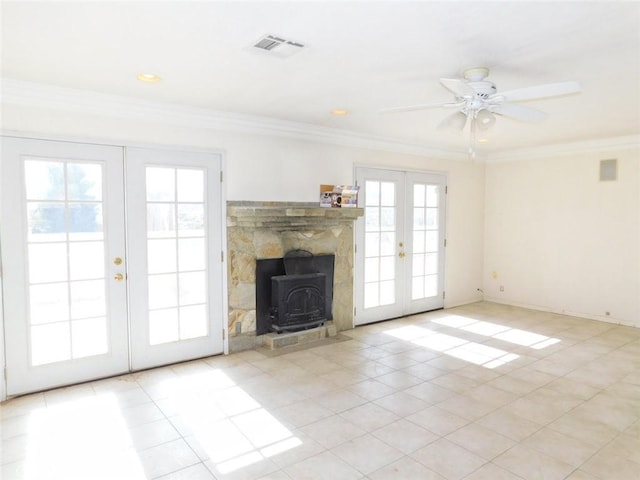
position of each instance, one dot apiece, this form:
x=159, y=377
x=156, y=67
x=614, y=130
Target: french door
x=400, y=244
x=102, y=275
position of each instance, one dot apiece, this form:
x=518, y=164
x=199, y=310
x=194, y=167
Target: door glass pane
x=372, y=218
x=85, y=221
x=191, y=220
x=418, y=241
x=388, y=292
x=161, y=184
x=191, y=254
x=48, y=303
x=190, y=186
x=163, y=291
x=371, y=269
x=163, y=326
x=388, y=194
x=372, y=193
x=176, y=253
x=424, y=265
x=66, y=258
x=86, y=260
x=84, y=182
x=44, y=180
x=50, y=343
x=89, y=337
x=161, y=220
x=193, y=322
x=432, y=195
x=47, y=262
x=161, y=255
x=388, y=244
x=372, y=244
x=88, y=299
x=192, y=288
x=46, y=222
x=380, y=243
x=387, y=219
x=418, y=196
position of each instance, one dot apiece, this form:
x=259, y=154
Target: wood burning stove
x=298, y=301
x=293, y=293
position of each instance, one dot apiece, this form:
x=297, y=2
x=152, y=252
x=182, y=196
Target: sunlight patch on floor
x=469, y=351
x=226, y=424
x=71, y=427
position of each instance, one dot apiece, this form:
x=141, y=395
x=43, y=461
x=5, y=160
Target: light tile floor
x=482, y=391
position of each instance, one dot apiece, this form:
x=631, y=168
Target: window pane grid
x=380, y=239
x=66, y=260
x=176, y=254
x=424, y=272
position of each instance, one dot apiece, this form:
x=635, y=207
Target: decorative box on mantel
x=270, y=230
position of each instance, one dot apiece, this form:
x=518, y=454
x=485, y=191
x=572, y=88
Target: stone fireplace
x=265, y=230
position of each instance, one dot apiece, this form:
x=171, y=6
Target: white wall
x=558, y=239
x=267, y=168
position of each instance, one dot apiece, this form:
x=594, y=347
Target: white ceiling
x=362, y=56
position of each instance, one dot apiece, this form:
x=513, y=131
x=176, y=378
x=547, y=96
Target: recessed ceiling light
x=148, y=77
x=483, y=140
x=339, y=111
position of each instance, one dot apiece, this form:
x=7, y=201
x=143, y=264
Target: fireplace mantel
x=258, y=230
x=290, y=215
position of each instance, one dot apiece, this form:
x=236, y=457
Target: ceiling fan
x=478, y=101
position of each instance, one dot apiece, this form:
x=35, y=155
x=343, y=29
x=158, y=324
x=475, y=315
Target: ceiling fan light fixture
x=455, y=121
x=485, y=119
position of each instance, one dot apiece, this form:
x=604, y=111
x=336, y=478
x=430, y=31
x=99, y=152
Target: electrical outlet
x=502, y=288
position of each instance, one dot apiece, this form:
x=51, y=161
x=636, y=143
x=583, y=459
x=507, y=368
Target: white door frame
x=93, y=141
x=403, y=305
x=25, y=376
x=147, y=355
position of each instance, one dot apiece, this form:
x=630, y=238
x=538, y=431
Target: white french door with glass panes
x=175, y=265
x=400, y=244
x=74, y=277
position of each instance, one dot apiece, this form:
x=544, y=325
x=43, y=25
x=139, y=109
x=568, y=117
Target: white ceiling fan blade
x=422, y=106
x=459, y=87
x=539, y=91
x=455, y=121
x=518, y=112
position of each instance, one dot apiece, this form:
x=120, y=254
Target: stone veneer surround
x=271, y=229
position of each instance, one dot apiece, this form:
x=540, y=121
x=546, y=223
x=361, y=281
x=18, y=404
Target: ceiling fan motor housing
x=484, y=88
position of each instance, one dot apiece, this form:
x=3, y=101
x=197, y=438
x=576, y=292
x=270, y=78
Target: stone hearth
x=271, y=229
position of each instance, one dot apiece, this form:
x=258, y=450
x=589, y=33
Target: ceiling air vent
x=277, y=46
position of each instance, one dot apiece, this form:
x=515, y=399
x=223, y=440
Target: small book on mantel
x=339, y=196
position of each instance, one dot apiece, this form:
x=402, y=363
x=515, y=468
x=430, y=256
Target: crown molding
x=29, y=94
x=39, y=95
x=597, y=145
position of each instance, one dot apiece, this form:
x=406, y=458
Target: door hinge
x=222, y=256
x=6, y=374
x=443, y=294
x=445, y=242
x=221, y=176
x=355, y=248
x=446, y=189
x=224, y=334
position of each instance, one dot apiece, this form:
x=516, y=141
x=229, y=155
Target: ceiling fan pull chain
x=472, y=136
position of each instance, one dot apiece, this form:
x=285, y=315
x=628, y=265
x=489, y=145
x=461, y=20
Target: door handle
x=401, y=254
x=118, y=277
